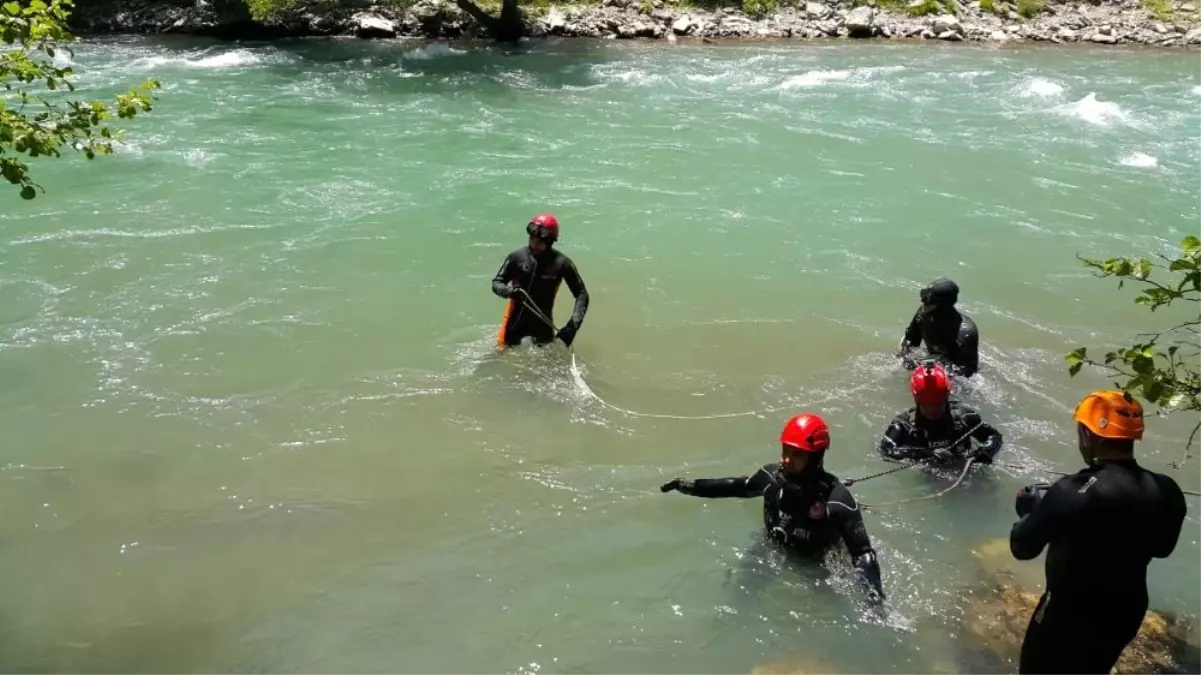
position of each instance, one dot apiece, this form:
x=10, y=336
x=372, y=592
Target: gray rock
x=950, y=36
x=1013, y=16
x=555, y=21
x=1105, y=30
x=683, y=25
x=999, y=36
x=663, y=16
x=827, y=27
x=816, y=10
x=1160, y=28
x=928, y=34
x=1193, y=37
x=671, y=37
x=366, y=25
x=945, y=23
x=1066, y=34
x=619, y=4
x=861, y=22
x=1188, y=7
x=1102, y=38
x=627, y=31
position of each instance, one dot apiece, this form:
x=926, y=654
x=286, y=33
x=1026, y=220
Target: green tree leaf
x=34, y=30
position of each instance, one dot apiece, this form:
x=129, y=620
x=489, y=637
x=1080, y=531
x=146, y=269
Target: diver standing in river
x=938, y=429
x=950, y=336
x=529, y=279
x=805, y=508
x=1102, y=526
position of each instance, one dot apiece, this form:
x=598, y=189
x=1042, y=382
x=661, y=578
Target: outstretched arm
x=742, y=487
x=844, y=510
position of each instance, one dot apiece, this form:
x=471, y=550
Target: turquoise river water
x=254, y=419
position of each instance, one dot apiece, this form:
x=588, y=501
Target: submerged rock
x=999, y=611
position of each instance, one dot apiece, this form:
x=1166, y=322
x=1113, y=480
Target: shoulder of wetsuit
x=841, y=494
x=772, y=470
x=906, y=419
x=966, y=325
x=965, y=413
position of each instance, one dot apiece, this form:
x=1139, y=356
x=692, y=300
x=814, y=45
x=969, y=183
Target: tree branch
x=1187, y=446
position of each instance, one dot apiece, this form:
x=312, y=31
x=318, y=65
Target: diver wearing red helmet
x=927, y=431
x=531, y=275
x=805, y=508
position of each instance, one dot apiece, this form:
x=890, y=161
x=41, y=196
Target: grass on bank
x=1160, y=9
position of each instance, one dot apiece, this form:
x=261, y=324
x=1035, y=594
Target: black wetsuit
x=540, y=276
x=1103, y=526
x=912, y=437
x=808, y=517
x=951, y=338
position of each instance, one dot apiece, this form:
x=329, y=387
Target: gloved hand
x=903, y=348
x=567, y=334
x=1028, y=497
x=675, y=484
x=983, y=454
x=943, y=455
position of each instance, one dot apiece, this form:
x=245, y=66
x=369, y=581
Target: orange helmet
x=1111, y=414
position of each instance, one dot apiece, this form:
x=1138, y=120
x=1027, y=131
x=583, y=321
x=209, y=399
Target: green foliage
x=39, y=124
x=759, y=7
x=1031, y=8
x=923, y=8
x=646, y=7
x=1161, y=368
x=1160, y=9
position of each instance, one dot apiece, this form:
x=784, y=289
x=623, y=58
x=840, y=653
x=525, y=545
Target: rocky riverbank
x=1114, y=22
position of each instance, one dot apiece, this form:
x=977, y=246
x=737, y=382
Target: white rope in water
x=579, y=381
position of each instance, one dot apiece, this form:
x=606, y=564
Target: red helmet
x=806, y=433
x=544, y=226
x=930, y=384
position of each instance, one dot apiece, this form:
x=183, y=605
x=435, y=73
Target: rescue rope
x=1019, y=467
x=851, y=481
x=933, y=495
x=578, y=377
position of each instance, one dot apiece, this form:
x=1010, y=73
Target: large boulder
x=817, y=11
x=367, y=25
x=861, y=22
x=946, y=23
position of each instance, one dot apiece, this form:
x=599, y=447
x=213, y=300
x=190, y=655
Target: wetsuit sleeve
x=742, y=487
x=848, y=518
x=500, y=281
x=575, y=283
x=897, y=441
x=968, y=361
x=1033, y=531
x=1173, y=520
x=986, y=435
x=913, y=334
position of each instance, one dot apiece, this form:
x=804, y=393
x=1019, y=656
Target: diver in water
x=805, y=508
x=950, y=336
x=529, y=279
x=938, y=428
x=1101, y=527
